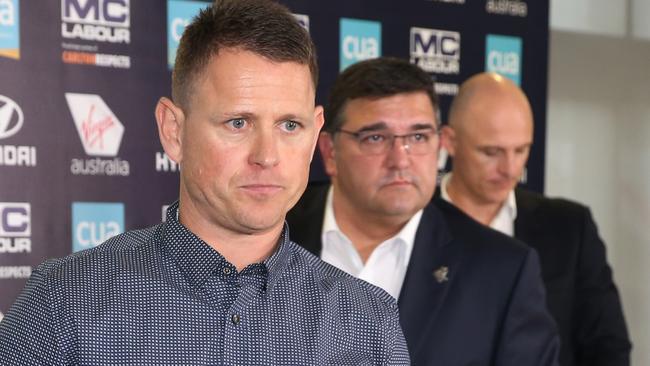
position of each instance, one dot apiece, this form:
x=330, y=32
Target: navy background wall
x=80, y=159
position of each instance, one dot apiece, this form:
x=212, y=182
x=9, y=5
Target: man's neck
x=461, y=198
x=365, y=231
x=240, y=249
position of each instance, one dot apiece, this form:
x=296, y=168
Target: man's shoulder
x=340, y=288
x=120, y=250
x=489, y=259
x=346, y=309
x=530, y=200
x=478, y=238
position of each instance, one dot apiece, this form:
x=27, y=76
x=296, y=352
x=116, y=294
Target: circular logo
x=11, y=117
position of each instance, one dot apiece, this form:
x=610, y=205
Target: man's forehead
x=492, y=138
x=248, y=60
x=244, y=69
x=411, y=110
x=387, y=126
x=484, y=120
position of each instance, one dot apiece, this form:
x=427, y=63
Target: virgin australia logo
x=101, y=135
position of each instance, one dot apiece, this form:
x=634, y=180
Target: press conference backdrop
x=80, y=159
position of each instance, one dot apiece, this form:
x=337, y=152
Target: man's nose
x=509, y=165
x=264, y=150
x=398, y=155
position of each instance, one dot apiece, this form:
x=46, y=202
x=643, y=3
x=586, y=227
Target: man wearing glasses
x=467, y=295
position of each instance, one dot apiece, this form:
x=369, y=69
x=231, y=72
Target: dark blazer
x=489, y=311
x=580, y=291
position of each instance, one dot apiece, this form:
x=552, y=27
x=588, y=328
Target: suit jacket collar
x=526, y=224
x=422, y=293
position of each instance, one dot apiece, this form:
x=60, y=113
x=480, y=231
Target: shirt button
x=226, y=271
x=235, y=319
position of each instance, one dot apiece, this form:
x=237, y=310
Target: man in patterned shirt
x=219, y=282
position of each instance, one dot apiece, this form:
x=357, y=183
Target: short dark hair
x=260, y=26
x=375, y=78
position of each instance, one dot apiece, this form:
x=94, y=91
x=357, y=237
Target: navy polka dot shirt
x=162, y=296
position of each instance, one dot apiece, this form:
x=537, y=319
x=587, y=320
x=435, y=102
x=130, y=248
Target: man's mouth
x=262, y=188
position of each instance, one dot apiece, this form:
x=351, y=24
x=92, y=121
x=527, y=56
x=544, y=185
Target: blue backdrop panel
x=80, y=159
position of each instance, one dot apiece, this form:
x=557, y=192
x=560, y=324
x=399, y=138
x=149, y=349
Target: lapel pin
x=441, y=274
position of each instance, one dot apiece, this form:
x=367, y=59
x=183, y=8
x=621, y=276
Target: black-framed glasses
x=379, y=142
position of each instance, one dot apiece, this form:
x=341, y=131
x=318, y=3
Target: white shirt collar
x=386, y=266
x=504, y=221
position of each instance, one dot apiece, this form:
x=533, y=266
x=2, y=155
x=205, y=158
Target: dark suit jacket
x=490, y=311
x=580, y=291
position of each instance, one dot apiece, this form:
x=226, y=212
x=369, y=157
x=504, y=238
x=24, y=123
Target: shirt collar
x=277, y=263
x=198, y=261
x=405, y=236
x=508, y=208
x=511, y=205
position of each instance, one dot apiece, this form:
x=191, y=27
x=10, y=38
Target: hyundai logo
x=11, y=117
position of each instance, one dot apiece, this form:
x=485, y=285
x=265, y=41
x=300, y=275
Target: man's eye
x=418, y=137
x=290, y=125
x=521, y=150
x=490, y=152
x=372, y=139
x=237, y=123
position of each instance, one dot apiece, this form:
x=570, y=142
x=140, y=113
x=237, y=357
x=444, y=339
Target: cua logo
x=95, y=222
x=303, y=20
x=7, y=13
x=179, y=16
x=9, y=29
x=503, y=56
x=360, y=40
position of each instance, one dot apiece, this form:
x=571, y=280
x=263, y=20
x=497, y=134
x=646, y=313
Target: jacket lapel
x=423, y=293
x=426, y=285
x=526, y=226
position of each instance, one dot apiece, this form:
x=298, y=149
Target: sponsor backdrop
x=80, y=159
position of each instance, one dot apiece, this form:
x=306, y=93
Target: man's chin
x=498, y=197
x=260, y=219
x=402, y=207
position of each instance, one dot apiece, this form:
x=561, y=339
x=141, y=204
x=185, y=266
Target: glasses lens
x=377, y=143
x=420, y=142
x=373, y=142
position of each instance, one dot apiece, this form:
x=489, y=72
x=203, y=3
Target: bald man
x=489, y=135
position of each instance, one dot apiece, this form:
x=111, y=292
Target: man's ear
x=326, y=147
x=170, y=120
x=448, y=139
x=319, y=120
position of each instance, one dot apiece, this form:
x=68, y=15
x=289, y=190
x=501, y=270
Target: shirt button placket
x=236, y=340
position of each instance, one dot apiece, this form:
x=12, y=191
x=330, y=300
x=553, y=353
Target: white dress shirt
x=387, y=264
x=504, y=221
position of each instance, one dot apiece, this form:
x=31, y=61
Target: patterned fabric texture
x=162, y=296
